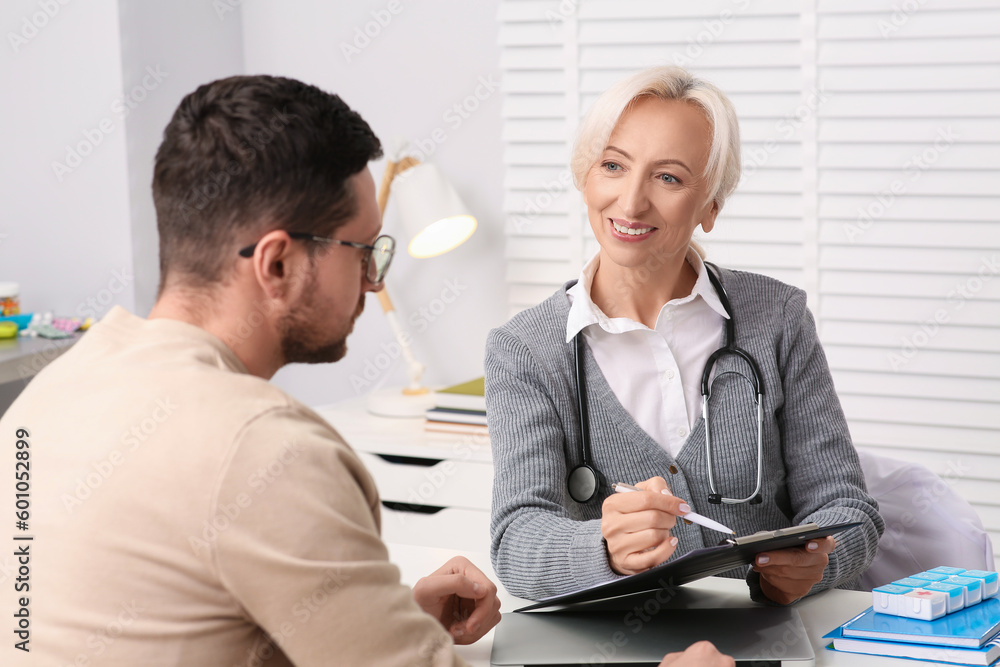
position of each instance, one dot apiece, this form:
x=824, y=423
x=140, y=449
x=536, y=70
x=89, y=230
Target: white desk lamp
x=436, y=221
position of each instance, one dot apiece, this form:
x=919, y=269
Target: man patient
x=184, y=511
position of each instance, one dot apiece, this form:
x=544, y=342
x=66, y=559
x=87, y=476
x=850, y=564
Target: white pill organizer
x=934, y=593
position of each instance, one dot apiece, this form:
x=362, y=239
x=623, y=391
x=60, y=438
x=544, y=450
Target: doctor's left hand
x=789, y=574
x=461, y=598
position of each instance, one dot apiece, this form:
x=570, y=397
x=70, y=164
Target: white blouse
x=664, y=397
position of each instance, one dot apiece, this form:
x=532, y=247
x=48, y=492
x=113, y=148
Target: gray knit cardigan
x=544, y=543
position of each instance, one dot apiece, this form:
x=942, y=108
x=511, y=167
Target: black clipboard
x=697, y=564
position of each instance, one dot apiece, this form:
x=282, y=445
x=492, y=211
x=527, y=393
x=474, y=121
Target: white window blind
x=871, y=146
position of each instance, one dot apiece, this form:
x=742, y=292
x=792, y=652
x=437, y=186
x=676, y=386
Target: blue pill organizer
x=935, y=593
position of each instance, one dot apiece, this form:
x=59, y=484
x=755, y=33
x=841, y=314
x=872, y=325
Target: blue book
x=984, y=655
x=971, y=627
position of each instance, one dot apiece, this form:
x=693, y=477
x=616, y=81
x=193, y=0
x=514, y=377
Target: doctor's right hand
x=636, y=526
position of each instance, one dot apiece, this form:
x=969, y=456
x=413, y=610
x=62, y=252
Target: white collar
x=583, y=312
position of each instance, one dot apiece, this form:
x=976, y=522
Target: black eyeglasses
x=378, y=259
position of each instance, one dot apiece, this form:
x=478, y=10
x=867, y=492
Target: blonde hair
x=722, y=171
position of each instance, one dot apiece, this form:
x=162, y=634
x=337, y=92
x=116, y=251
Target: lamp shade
x=432, y=213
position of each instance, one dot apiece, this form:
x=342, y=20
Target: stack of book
x=968, y=636
x=459, y=409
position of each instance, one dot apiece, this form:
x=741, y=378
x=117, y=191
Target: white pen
x=693, y=517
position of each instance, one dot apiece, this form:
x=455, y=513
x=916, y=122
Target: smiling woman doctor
x=604, y=381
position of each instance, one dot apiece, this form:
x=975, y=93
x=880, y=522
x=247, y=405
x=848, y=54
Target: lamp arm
x=415, y=369
x=392, y=170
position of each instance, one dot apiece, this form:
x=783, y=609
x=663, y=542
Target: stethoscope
x=585, y=480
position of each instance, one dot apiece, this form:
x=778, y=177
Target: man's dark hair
x=246, y=155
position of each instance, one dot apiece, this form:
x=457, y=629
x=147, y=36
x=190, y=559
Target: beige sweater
x=184, y=512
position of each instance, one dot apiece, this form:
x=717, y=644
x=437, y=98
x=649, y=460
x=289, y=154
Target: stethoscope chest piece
x=583, y=483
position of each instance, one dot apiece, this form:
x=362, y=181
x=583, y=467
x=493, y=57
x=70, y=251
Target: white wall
x=65, y=237
x=423, y=59
x=97, y=80
x=168, y=50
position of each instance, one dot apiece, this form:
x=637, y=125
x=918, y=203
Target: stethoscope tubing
x=584, y=480
x=756, y=384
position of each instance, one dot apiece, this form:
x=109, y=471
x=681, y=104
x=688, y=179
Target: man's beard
x=303, y=343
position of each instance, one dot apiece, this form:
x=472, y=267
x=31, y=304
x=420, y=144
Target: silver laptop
x=760, y=636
